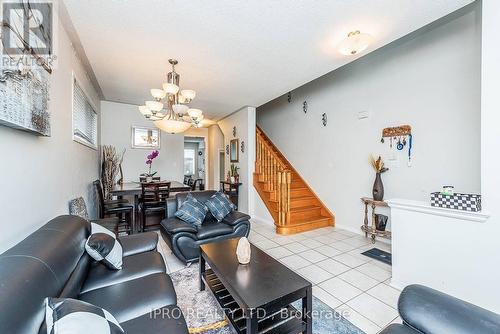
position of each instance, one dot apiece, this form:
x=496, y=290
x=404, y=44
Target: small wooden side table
x=231, y=190
x=372, y=230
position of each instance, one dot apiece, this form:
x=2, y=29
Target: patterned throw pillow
x=102, y=245
x=71, y=316
x=192, y=211
x=219, y=205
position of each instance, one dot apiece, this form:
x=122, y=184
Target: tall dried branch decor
x=378, y=165
x=110, y=166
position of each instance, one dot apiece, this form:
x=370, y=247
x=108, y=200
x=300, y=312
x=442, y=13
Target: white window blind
x=84, y=118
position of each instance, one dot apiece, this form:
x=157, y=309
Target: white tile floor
x=330, y=258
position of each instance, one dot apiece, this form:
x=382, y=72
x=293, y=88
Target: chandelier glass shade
x=169, y=109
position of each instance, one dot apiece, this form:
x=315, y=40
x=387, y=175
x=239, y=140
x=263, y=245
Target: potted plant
x=234, y=173
x=378, y=186
x=153, y=155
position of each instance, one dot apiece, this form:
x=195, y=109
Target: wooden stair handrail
x=276, y=175
x=273, y=181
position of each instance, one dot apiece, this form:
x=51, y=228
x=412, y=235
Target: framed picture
x=145, y=137
x=234, y=144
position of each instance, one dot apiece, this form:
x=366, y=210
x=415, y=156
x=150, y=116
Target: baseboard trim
x=263, y=221
x=359, y=232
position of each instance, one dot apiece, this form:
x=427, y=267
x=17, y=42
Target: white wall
x=41, y=174
x=244, y=120
x=117, y=120
x=215, y=144
x=430, y=80
x=486, y=246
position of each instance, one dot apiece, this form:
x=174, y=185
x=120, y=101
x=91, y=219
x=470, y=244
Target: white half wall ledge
x=423, y=207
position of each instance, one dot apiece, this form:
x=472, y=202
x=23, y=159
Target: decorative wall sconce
x=304, y=107
x=242, y=146
x=289, y=97
x=234, y=131
x=324, y=119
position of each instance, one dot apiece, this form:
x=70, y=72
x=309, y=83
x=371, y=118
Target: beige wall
x=41, y=174
x=215, y=144
x=244, y=120
x=116, y=125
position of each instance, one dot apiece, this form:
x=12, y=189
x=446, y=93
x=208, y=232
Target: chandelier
x=169, y=109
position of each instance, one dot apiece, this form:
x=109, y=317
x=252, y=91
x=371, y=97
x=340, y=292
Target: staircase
x=292, y=204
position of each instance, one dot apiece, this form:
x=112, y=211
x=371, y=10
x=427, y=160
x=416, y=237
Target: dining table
x=134, y=189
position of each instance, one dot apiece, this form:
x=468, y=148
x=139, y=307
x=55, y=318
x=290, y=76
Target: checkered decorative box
x=465, y=202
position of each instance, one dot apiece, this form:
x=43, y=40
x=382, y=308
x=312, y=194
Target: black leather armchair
x=428, y=311
x=184, y=239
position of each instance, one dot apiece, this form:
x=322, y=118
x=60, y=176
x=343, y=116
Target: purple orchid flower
x=149, y=162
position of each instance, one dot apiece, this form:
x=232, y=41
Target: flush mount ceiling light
x=354, y=43
x=177, y=117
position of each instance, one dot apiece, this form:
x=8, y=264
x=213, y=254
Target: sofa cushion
x=134, y=266
x=167, y=319
x=135, y=298
x=201, y=196
x=103, y=246
x=219, y=206
x=235, y=217
x=71, y=316
x=192, y=211
x=139, y=243
x=213, y=229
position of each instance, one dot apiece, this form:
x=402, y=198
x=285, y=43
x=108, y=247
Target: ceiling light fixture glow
x=355, y=42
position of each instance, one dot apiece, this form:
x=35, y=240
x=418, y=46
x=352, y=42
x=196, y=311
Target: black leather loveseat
x=427, y=311
x=184, y=239
x=52, y=262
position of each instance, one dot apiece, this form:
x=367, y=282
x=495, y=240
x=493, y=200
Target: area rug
x=204, y=315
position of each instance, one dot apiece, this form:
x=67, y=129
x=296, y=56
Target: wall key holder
x=304, y=107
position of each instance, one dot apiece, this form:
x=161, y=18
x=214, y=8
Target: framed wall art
x=145, y=137
x=234, y=145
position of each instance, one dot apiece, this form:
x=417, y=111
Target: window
x=189, y=156
x=84, y=118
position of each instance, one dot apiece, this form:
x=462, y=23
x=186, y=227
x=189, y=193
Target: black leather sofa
x=184, y=239
x=52, y=262
x=428, y=311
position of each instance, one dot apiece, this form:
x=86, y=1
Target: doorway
x=194, y=158
x=222, y=165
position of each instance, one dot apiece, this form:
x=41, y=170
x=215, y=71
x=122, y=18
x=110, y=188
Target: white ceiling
x=233, y=52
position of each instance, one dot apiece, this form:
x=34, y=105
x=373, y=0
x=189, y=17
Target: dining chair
x=123, y=210
x=78, y=207
x=143, y=178
x=153, y=200
x=198, y=183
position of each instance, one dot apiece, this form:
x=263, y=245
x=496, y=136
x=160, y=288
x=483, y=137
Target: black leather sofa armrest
x=175, y=225
x=109, y=223
x=170, y=208
x=235, y=217
x=429, y=311
x=139, y=243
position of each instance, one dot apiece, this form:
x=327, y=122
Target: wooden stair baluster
x=291, y=202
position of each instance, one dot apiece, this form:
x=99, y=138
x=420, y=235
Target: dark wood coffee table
x=256, y=297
